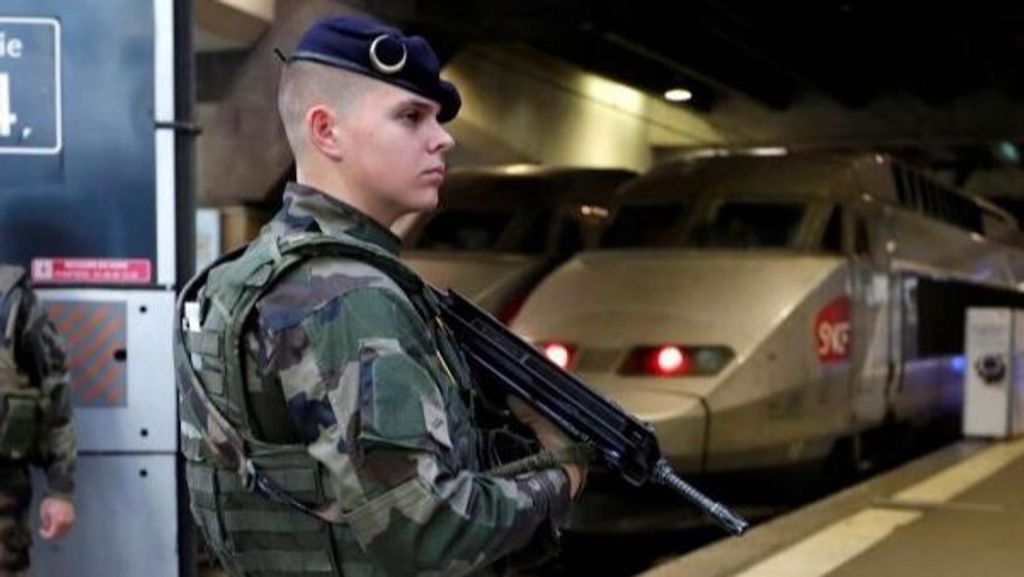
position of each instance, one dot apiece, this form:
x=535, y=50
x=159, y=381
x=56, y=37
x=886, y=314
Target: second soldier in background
x=35, y=423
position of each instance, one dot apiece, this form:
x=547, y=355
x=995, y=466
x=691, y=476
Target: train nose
x=609, y=505
x=679, y=417
x=679, y=423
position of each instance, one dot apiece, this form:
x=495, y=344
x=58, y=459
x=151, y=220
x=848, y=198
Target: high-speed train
x=776, y=313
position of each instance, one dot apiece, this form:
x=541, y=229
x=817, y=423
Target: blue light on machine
x=1008, y=152
x=958, y=363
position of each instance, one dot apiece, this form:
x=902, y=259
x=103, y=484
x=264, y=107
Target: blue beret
x=370, y=48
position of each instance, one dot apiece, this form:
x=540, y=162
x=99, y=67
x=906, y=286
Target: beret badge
x=387, y=54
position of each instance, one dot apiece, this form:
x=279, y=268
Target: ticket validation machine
x=994, y=375
x=94, y=184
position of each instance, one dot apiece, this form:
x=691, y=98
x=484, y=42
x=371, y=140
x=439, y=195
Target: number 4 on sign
x=7, y=116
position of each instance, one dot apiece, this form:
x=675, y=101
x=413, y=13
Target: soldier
x=329, y=423
x=35, y=423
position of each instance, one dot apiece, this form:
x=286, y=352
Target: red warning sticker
x=832, y=331
x=91, y=271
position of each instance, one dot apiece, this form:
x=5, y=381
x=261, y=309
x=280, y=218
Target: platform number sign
x=30, y=107
x=7, y=117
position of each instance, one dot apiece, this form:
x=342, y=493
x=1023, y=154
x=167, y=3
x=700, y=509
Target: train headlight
x=671, y=360
x=558, y=353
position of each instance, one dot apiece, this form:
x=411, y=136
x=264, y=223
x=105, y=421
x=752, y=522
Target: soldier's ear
x=322, y=131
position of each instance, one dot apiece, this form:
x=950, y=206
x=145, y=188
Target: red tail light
x=559, y=353
x=676, y=361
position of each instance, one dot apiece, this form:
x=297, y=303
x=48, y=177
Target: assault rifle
x=622, y=444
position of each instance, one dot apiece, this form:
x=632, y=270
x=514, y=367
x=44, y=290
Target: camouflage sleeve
x=41, y=354
x=355, y=373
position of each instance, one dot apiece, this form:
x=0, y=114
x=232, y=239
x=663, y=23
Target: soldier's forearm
x=60, y=467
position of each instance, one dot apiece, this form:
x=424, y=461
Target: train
x=782, y=318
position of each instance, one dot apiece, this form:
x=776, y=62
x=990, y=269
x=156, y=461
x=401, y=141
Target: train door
x=876, y=317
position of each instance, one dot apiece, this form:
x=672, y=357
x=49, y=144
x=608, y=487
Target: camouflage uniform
x=338, y=359
x=35, y=426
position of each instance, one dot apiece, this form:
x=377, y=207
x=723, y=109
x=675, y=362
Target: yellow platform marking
x=830, y=548
x=833, y=546
x=942, y=487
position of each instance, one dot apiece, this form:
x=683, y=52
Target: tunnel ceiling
x=851, y=51
x=780, y=55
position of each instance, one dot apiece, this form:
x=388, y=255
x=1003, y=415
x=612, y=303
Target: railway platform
x=958, y=511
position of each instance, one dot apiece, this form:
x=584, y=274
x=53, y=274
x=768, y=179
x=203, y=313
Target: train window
x=581, y=226
x=861, y=240
x=898, y=175
x=465, y=230
x=643, y=225
x=969, y=216
x=942, y=205
x=832, y=240
x=928, y=197
x=916, y=193
x=570, y=238
x=747, y=224
x=941, y=309
x=532, y=227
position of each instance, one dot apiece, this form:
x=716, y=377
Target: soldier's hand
x=551, y=438
x=56, y=516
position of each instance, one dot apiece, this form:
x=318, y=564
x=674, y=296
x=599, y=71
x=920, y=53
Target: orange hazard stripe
x=114, y=394
x=76, y=312
x=103, y=384
x=84, y=329
x=102, y=360
x=113, y=326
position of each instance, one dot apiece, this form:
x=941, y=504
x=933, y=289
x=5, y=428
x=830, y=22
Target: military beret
x=373, y=49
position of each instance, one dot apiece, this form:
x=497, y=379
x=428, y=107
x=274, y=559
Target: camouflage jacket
x=367, y=391
x=40, y=365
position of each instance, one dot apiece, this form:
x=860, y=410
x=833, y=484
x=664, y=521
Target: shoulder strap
x=420, y=294
x=319, y=244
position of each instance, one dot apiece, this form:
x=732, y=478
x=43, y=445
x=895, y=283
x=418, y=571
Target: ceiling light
x=678, y=95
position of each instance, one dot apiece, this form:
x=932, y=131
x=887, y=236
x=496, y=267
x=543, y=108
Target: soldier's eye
x=411, y=115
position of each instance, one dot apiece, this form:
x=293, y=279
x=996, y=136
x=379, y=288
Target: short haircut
x=305, y=84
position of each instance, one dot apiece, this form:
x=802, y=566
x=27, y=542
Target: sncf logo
x=832, y=331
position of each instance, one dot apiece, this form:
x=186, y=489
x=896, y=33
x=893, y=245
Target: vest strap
x=291, y=562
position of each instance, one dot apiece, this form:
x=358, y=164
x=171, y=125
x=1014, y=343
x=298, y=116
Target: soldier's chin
x=427, y=201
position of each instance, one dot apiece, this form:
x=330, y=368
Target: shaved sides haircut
x=306, y=84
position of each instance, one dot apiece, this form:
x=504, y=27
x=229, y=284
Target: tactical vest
x=21, y=404
x=262, y=506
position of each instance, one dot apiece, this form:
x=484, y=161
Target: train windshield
x=723, y=223
x=645, y=225
x=498, y=230
x=746, y=224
